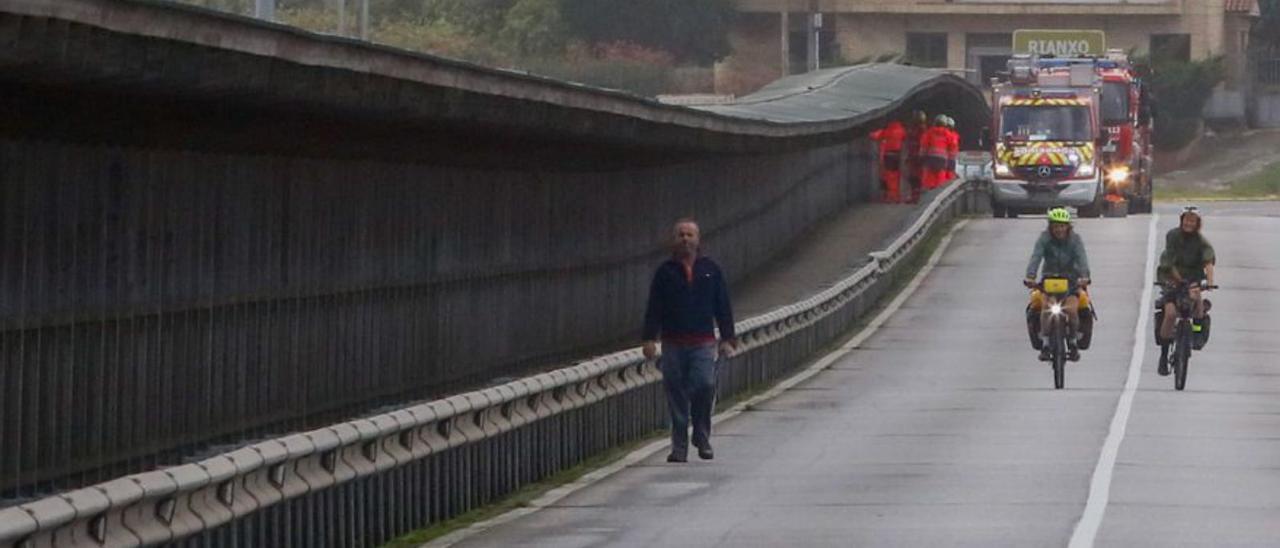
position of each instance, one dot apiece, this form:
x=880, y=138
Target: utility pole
x=786, y=41
x=814, y=26
x=364, y=19
x=342, y=17
x=264, y=9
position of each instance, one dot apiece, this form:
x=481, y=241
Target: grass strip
x=1263, y=185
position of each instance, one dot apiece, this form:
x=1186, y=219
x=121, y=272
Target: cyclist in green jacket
x=1062, y=253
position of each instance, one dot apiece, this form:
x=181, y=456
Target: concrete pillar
x=785, y=16
x=1205, y=19
x=956, y=49
x=1215, y=21
x=342, y=17
x=264, y=9
x=364, y=19
x=811, y=25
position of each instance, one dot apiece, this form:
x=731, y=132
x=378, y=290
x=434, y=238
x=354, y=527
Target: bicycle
x=1175, y=354
x=1055, y=291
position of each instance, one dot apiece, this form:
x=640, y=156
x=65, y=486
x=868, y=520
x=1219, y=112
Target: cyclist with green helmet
x=1061, y=253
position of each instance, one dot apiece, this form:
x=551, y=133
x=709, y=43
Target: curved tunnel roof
x=856, y=93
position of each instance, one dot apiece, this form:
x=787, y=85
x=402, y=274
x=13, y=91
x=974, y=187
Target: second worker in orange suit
x=934, y=151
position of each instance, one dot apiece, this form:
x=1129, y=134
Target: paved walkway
x=825, y=255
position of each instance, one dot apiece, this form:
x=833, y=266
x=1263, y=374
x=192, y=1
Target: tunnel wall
x=233, y=293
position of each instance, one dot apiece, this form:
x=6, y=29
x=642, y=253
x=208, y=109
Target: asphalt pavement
x=944, y=430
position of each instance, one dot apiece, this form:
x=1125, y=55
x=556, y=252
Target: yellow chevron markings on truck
x=1041, y=101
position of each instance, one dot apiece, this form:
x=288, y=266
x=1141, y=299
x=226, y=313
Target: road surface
x=943, y=429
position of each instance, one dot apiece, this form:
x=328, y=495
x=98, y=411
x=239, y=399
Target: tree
x=1266, y=30
x=1181, y=91
x=478, y=17
x=694, y=31
x=534, y=27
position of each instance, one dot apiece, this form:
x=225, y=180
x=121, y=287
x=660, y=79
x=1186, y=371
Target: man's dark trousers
x=689, y=376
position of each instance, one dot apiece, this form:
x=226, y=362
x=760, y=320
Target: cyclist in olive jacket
x=1187, y=258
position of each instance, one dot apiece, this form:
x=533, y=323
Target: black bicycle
x=1175, y=354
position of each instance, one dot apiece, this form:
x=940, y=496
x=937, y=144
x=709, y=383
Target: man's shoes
x=1163, y=369
x=705, y=452
x=1073, y=355
x=1044, y=354
x=677, y=457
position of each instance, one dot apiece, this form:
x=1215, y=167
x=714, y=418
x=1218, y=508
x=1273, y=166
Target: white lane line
x=555, y=495
x=1100, y=487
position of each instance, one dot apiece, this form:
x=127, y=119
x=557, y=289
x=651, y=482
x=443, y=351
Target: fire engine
x=1126, y=120
x=1045, y=135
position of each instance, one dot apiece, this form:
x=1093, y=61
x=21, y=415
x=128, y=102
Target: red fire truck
x=1126, y=119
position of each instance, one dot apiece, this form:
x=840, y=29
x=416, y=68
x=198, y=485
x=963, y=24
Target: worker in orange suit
x=934, y=153
x=953, y=148
x=890, y=140
x=917, y=126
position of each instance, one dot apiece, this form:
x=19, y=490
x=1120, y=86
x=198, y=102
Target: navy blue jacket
x=680, y=309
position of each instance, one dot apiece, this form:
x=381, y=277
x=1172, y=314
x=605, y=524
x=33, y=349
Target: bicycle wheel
x=1182, y=355
x=1059, y=348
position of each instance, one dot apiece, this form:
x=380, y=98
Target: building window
x=1166, y=48
x=798, y=46
x=927, y=49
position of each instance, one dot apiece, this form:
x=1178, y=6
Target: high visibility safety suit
x=935, y=149
x=953, y=151
x=915, y=136
x=891, y=138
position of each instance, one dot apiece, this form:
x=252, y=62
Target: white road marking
x=555, y=495
x=1100, y=487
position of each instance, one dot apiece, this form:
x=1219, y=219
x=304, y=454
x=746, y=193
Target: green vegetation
x=1264, y=185
x=1266, y=31
x=1181, y=91
x=624, y=44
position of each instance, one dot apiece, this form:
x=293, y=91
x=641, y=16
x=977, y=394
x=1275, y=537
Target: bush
x=1175, y=133
x=617, y=65
x=1181, y=91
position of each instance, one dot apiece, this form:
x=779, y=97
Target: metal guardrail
x=170, y=504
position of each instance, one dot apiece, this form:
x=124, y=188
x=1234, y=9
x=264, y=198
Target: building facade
x=777, y=37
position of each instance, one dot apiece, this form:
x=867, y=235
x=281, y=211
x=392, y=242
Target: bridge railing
x=377, y=477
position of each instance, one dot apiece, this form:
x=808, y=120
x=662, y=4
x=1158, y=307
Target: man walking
x=688, y=299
